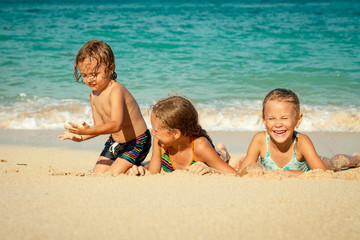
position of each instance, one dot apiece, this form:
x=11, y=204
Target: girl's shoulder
x=258, y=143
x=304, y=148
x=301, y=137
x=302, y=140
x=260, y=136
x=200, y=140
x=201, y=143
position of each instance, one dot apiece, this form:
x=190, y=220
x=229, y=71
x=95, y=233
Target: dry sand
x=47, y=192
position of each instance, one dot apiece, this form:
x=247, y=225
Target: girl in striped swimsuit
x=180, y=143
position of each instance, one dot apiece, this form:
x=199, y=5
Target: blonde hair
x=282, y=95
x=101, y=52
x=177, y=112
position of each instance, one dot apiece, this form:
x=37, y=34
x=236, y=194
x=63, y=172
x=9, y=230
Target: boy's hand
x=77, y=129
x=138, y=171
x=74, y=137
x=199, y=168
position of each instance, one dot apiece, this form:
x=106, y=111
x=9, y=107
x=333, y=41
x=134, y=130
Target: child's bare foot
x=357, y=155
x=224, y=154
x=329, y=165
x=345, y=161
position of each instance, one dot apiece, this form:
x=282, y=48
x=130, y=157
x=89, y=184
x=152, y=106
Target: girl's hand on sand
x=199, y=168
x=77, y=129
x=70, y=136
x=254, y=169
x=138, y=171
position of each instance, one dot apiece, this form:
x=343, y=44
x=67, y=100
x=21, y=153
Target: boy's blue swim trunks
x=134, y=151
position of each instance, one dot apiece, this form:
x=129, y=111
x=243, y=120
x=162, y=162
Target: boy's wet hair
x=177, y=112
x=282, y=95
x=99, y=51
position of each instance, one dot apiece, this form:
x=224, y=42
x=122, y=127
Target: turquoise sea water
x=223, y=56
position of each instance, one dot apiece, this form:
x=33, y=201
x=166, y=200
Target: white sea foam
x=42, y=113
x=47, y=113
x=247, y=116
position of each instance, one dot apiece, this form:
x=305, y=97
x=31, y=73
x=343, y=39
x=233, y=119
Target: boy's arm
x=307, y=150
x=252, y=154
x=155, y=161
x=117, y=102
x=205, y=153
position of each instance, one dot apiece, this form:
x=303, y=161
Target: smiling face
x=95, y=78
x=280, y=120
x=159, y=131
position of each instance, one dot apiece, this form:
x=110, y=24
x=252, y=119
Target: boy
x=114, y=109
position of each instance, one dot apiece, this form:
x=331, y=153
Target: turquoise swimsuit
x=294, y=164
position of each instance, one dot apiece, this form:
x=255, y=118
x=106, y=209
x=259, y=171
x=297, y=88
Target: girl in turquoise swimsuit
x=280, y=147
x=180, y=143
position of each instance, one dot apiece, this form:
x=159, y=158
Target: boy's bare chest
x=101, y=104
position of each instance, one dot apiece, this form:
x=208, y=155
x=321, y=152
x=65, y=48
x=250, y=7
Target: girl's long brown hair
x=177, y=112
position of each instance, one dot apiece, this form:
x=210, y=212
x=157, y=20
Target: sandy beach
x=48, y=192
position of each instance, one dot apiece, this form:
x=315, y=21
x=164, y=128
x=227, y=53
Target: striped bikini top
x=166, y=163
x=294, y=164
